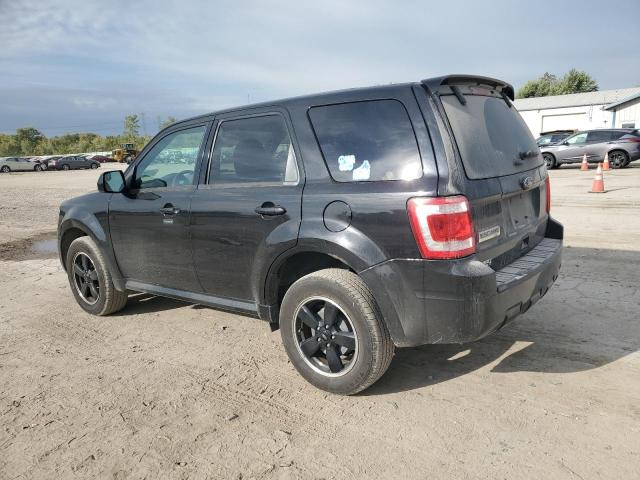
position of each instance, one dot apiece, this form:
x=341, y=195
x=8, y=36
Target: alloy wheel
x=85, y=278
x=325, y=337
x=617, y=159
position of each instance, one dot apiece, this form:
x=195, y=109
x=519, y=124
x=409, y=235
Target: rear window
x=367, y=141
x=492, y=138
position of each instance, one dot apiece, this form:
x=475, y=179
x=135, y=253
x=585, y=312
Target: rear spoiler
x=434, y=84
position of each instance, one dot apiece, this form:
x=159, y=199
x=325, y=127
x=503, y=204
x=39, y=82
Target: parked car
x=72, y=162
x=15, y=164
x=49, y=158
x=622, y=145
x=353, y=221
x=100, y=158
x=547, y=138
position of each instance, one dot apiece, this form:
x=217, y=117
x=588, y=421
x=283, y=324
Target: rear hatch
x=504, y=173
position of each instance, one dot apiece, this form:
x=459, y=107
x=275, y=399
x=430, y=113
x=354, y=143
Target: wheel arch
x=79, y=224
x=295, y=264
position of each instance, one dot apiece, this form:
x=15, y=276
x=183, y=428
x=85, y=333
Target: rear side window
x=599, y=136
x=367, y=141
x=492, y=138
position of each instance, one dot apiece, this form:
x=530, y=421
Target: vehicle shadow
x=587, y=320
x=139, y=303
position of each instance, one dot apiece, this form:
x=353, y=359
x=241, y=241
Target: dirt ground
x=169, y=390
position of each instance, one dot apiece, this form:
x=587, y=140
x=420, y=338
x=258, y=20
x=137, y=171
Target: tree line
x=573, y=81
x=30, y=141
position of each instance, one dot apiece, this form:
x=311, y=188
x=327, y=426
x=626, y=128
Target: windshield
x=492, y=138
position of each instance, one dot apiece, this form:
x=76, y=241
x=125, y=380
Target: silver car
x=622, y=145
x=14, y=164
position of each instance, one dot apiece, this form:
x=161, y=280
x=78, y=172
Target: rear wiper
x=458, y=94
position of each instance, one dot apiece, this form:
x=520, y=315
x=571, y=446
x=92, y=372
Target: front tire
x=93, y=166
x=66, y=167
x=37, y=168
x=5, y=169
x=333, y=332
x=90, y=279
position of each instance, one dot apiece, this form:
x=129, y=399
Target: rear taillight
x=442, y=226
x=630, y=140
x=547, y=189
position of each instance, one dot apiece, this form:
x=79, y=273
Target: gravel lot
x=169, y=390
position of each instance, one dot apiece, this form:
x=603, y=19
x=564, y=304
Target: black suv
x=354, y=221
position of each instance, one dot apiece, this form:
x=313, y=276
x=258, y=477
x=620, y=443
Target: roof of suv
x=377, y=90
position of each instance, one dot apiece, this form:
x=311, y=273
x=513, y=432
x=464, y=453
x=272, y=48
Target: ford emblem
x=526, y=183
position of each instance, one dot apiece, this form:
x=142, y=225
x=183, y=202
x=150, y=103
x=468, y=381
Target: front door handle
x=268, y=209
x=169, y=210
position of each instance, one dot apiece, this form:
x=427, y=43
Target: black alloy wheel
x=325, y=337
x=85, y=278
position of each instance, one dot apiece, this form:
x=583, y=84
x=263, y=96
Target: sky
x=82, y=65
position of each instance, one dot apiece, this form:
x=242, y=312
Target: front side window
x=253, y=150
x=577, y=139
x=172, y=161
x=367, y=141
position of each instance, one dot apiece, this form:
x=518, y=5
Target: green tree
x=28, y=138
x=131, y=126
x=573, y=82
x=162, y=124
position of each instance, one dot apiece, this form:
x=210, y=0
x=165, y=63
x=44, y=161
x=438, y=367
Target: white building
x=582, y=111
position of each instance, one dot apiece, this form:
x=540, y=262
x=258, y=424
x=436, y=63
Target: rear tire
x=93, y=166
x=37, y=168
x=550, y=160
x=361, y=346
x=618, y=159
x=86, y=264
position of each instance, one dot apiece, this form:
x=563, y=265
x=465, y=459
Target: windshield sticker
x=346, y=162
x=363, y=172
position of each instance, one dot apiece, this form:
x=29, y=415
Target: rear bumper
x=460, y=301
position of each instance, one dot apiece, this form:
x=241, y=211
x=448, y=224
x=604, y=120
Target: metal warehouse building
x=582, y=111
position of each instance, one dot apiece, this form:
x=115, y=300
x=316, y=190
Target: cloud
x=183, y=58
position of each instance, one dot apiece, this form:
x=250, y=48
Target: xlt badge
x=488, y=233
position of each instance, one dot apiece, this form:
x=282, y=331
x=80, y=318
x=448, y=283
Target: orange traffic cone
x=605, y=165
x=585, y=166
x=598, y=182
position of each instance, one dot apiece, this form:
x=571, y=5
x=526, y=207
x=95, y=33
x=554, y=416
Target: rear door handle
x=268, y=209
x=169, y=210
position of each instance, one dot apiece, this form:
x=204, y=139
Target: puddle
x=50, y=245
x=44, y=245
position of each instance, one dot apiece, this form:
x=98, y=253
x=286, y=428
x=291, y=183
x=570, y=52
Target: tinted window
x=491, y=136
x=544, y=140
x=172, y=161
x=255, y=149
x=577, y=139
x=599, y=136
x=367, y=141
x=617, y=134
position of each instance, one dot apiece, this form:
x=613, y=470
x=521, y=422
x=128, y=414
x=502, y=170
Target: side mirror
x=565, y=143
x=111, y=182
